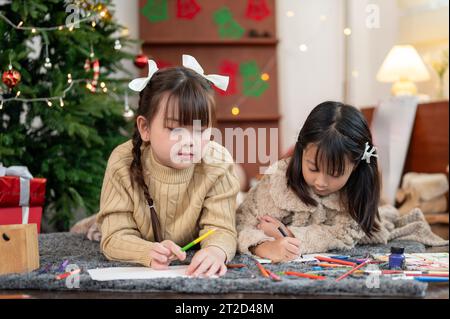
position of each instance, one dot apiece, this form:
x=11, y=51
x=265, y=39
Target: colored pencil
x=67, y=274
x=302, y=275
x=281, y=230
x=262, y=269
x=432, y=279
x=236, y=266
x=273, y=275
x=332, y=265
x=336, y=261
x=199, y=239
x=353, y=270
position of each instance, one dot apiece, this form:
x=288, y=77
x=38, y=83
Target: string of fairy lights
x=92, y=18
x=101, y=12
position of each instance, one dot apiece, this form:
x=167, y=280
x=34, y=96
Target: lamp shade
x=403, y=63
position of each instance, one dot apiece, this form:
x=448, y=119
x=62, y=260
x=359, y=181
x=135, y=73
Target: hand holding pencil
x=164, y=252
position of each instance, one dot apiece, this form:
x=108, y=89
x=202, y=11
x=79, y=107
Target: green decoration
x=228, y=27
x=156, y=10
x=253, y=84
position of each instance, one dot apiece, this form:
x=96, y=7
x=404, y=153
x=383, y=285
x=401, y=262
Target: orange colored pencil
x=262, y=269
x=67, y=274
x=336, y=261
x=302, y=275
x=353, y=270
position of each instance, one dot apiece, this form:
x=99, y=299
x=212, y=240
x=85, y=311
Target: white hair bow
x=368, y=153
x=189, y=62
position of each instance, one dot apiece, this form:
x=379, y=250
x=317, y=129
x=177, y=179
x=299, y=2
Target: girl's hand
x=164, y=252
x=279, y=250
x=269, y=225
x=208, y=262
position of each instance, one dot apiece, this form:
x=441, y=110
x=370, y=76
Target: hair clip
x=368, y=153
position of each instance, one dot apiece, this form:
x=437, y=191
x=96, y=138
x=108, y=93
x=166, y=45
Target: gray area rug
x=56, y=247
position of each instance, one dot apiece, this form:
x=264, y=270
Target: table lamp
x=403, y=66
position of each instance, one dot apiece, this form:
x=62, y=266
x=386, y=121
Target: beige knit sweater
x=188, y=202
x=324, y=227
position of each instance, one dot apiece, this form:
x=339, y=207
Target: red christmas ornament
x=187, y=9
x=257, y=10
x=11, y=78
x=231, y=69
x=141, y=61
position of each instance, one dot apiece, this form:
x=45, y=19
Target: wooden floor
x=435, y=291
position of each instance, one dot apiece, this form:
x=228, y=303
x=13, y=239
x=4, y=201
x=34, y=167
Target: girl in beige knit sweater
x=326, y=196
x=170, y=184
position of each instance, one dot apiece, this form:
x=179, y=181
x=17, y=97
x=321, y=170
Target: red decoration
x=231, y=69
x=187, y=9
x=96, y=69
x=141, y=61
x=11, y=78
x=257, y=10
x=10, y=191
x=13, y=216
x=161, y=64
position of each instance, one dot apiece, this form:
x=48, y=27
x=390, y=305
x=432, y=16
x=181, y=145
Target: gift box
x=21, y=215
x=10, y=191
x=21, y=196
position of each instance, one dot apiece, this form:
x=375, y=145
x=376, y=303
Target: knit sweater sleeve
x=219, y=211
x=121, y=239
x=257, y=203
x=343, y=232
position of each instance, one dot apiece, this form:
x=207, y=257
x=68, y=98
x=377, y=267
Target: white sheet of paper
x=124, y=273
x=304, y=259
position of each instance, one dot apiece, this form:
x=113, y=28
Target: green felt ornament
x=228, y=27
x=156, y=10
x=253, y=84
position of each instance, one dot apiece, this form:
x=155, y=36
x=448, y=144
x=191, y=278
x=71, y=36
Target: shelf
x=261, y=42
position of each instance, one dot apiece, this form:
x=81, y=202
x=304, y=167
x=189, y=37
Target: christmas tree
x=61, y=108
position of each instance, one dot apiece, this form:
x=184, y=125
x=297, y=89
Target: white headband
x=189, y=62
x=368, y=153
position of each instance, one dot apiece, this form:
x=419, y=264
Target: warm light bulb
x=49, y=103
x=235, y=111
x=61, y=102
x=347, y=31
x=265, y=77
x=303, y=47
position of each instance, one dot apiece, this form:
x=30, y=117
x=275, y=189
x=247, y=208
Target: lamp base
x=404, y=87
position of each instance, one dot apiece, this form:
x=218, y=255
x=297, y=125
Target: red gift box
x=15, y=215
x=10, y=191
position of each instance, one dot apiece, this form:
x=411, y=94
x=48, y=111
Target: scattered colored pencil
x=432, y=279
x=262, y=269
x=302, y=275
x=336, y=261
x=199, y=239
x=327, y=265
x=63, y=265
x=67, y=274
x=353, y=270
x=273, y=275
x=231, y=266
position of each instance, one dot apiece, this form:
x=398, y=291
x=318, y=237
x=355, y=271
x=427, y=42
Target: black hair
x=340, y=133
